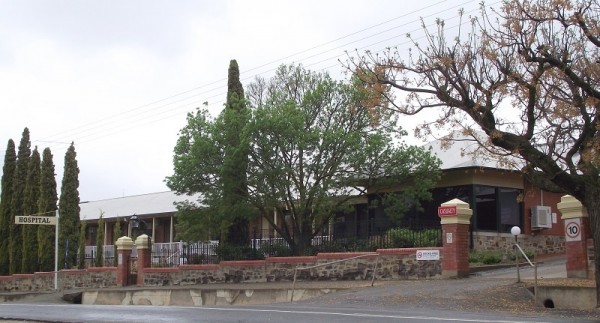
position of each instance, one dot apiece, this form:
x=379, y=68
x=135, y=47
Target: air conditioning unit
x=541, y=217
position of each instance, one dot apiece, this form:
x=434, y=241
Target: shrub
x=407, y=238
x=487, y=257
x=401, y=238
x=196, y=259
x=530, y=254
x=492, y=258
x=428, y=238
x=275, y=250
x=229, y=252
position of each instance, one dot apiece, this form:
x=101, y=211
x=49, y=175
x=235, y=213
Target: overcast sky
x=117, y=78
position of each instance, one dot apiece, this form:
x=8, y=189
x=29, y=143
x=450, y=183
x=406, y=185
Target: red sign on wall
x=447, y=210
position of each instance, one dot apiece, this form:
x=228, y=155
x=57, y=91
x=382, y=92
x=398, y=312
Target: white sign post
x=45, y=220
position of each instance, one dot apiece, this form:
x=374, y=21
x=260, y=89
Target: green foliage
x=8, y=170
x=278, y=249
x=429, y=238
x=530, y=254
x=211, y=158
x=232, y=252
x=487, y=257
x=490, y=257
x=195, y=224
x=47, y=204
x=99, y=259
x=346, y=245
x=18, y=195
x=314, y=148
x=407, y=238
x=401, y=238
x=80, y=255
x=235, y=161
x=29, y=262
x=308, y=147
x=69, y=211
x=116, y=235
x=117, y=231
x=198, y=259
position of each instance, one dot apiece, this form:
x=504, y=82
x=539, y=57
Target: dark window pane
x=510, y=209
x=485, y=205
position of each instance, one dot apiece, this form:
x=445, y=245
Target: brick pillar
x=144, y=253
x=124, y=245
x=576, y=224
x=455, y=217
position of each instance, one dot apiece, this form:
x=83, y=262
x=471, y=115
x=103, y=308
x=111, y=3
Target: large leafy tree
x=18, y=190
x=210, y=158
x=311, y=149
x=8, y=171
x=29, y=263
x=526, y=77
x=47, y=205
x=68, y=232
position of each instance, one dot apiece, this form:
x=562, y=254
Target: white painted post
x=56, y=252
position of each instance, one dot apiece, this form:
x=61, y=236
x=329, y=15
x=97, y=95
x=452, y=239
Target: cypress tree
x=19, y=181
x=29, y=262
x=81, y=246
x=116, y=235
x=68, y=232
x=47, y=206
x=8, y=173
x=99, y=261
x=234, y=178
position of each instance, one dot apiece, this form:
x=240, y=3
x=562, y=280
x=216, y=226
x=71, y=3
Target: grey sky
x=118, y=77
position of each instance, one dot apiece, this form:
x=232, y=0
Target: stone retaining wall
x=27, y=282
x=392, y=264
x=539, y=244
x=95, y=277
x=68, y=280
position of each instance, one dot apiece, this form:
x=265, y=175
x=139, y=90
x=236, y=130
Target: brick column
x=144, y=253
x=455, y=217
x=124, y=245
x=576, y=224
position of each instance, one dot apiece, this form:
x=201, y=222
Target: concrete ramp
x=199, y=297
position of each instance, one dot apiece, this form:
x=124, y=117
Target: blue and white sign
x=428, y=255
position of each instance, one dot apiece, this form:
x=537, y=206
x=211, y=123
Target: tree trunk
x=592, y=204
x=238, y=232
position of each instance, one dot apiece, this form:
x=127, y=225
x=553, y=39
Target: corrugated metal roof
x=459, y=154
x=153, y=203
x=456, y=155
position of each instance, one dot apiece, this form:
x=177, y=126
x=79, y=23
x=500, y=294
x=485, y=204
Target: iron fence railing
x=266, y=243
x=421, y=235
x=108, y=256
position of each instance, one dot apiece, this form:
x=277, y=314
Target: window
x=485, y=208
x=510, y=208
x=497, y=209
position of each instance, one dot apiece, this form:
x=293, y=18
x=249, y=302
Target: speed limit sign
x=573, y=230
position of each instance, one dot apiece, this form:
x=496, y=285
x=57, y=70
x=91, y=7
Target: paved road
x=297, y=313
x=491, y=297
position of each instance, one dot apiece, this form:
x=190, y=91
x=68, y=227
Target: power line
x=96, y=129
